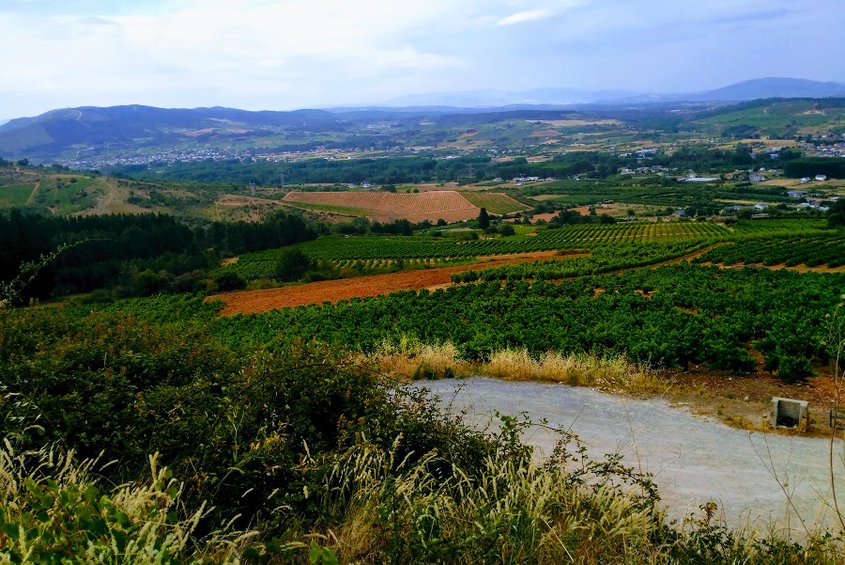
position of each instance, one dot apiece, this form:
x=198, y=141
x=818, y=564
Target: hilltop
x=95, y=137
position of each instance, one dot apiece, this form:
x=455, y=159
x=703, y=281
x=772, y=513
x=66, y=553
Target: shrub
x=229, y=281
x=292, y=265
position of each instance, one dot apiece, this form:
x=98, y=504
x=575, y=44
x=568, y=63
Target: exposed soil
x=585, y=210
x=745, y=401
x=448, y=205
x=255, y=301
x=781, y=267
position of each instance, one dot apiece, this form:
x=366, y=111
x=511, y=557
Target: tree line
x=137, y=254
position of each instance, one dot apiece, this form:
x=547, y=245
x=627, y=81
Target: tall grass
x=410, y=359
x=377, y=506
x=53, y=510
x=612, y=373
x=515, y=509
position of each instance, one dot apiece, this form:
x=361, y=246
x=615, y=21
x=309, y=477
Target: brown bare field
x=585, y=210
x=545, y=216
x=256, y=301
x=386, y=206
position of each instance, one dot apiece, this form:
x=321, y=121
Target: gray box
x=790, y=413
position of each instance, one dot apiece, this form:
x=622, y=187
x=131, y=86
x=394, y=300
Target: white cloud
x=275, y=54
x=526, y=16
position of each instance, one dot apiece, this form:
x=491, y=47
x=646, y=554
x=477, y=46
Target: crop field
x=250, y=302
x=667, y=317
x=14, y=195
x=386, y=206
x=343, y=250
x=811, y=250
x=69, y=196
x=494, y=202
x=775, y=227
x=603, y=258
x=779, y=116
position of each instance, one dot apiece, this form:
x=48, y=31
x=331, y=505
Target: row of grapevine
x=602, y=259
x=669, y=316
x=444, y=250
x=779, y=226
x=825, y=248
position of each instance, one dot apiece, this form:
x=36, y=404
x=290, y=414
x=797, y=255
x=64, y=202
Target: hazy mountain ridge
x=60, y=134
x=770, y=87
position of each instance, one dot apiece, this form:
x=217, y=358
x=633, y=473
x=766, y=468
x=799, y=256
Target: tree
x=483, y=219
x=227, y=282
x=836, y=215
x=292, y=265
x=506, y=230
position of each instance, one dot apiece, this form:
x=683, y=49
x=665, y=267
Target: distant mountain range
x=772, y=87
x=80, y=134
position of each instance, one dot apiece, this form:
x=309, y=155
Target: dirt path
x=255, y=301
x=34, y=193
x=114, y=200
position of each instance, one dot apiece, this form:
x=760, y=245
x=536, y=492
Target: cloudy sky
x=283, y=54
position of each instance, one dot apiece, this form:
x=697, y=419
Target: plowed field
x=256, y=301
x=387, y=206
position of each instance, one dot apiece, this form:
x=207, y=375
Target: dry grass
x=614, y=374
x=410, y=359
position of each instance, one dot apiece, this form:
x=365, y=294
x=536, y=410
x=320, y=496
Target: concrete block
x=790, y=413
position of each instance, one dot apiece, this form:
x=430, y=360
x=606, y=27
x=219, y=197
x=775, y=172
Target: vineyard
x=825, y=248
x=494, y=202
x=670, y=316
x=435, y=251
x=776, y=226
x=602, y=259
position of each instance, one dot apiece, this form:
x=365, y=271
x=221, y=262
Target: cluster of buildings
x=652, y=170
x=830, y=147
x=169, y=156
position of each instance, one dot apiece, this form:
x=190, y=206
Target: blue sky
x=269, y=54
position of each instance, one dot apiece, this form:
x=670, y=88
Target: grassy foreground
x=141, y=441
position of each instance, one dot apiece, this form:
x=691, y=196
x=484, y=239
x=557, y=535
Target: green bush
x=292, y=265
x=228, y=281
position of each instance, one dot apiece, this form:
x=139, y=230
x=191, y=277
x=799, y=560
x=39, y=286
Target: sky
x=286, y=54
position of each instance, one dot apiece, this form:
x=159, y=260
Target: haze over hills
x=86, y=133
x=771, y=87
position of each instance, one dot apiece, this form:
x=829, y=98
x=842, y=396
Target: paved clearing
x=693, y=459
x=255, y=301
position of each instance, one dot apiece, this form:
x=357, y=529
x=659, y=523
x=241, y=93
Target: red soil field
x=387, y=206
x=256, y=301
